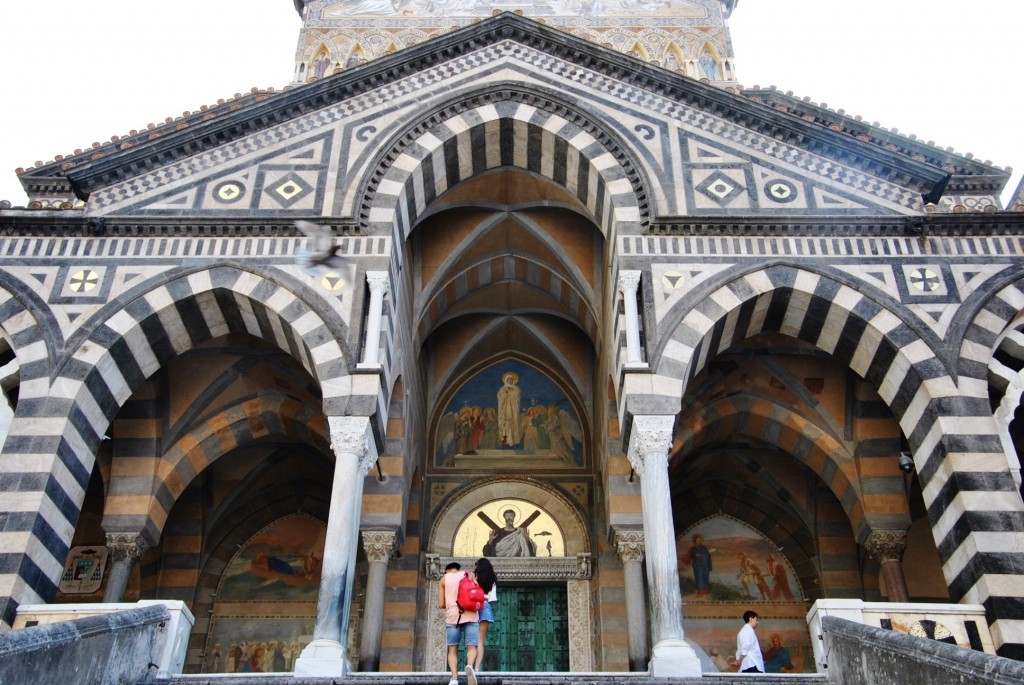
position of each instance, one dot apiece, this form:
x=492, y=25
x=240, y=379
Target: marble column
x=629, y=282
x=378, y=281
x=886, y=547
x=125, y=550
x=380, y=548
x=649, y=445
x=629, y=544
x=355, y=453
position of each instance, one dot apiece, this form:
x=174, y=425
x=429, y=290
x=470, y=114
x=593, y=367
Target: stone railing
x=963, y=625
x=864, y=654
x=167, y=655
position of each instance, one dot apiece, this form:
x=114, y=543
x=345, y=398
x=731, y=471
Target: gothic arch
x=124, y=350
x=254, y=419
x=464, y=500
x=792, y=433
x=855, y=329
x=508, y=127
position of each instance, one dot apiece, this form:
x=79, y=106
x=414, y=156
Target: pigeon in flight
x=320, y=251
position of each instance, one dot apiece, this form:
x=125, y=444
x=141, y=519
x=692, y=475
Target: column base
x=322, y=658
x=674, y=659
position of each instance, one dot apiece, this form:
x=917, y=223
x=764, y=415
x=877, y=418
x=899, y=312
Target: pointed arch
x=116, y=357
x=512, y=127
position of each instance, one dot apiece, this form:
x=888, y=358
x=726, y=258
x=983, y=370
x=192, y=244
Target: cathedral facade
x=547, y=286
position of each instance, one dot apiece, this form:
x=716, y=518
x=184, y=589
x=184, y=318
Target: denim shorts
x=454, y=634
x=487, y=613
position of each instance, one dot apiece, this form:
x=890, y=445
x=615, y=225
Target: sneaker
x=453, y=681
x=470, y=675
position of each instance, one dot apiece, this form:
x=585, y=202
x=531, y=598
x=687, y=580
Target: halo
x=505, y=505
x=510, y=374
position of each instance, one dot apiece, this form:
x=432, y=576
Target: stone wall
x=108, y=649
x=862, y=654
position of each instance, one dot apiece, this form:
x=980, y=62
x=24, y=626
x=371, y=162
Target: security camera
x=906, y=462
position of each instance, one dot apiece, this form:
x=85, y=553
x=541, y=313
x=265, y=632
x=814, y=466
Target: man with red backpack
x=460, y=623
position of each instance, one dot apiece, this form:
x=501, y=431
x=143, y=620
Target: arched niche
x=465, y=502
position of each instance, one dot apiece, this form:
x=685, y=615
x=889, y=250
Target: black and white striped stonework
x=50, y=450
x=976, y=512
x=509, y=129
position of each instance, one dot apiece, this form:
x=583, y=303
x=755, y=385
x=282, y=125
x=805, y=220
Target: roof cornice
x=114, y=163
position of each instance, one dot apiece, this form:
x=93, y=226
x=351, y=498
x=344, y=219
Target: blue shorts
x=454, y=634
x=487, y=613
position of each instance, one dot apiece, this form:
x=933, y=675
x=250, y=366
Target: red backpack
x=471, y=596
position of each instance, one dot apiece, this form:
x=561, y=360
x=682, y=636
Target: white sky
x=75, y=72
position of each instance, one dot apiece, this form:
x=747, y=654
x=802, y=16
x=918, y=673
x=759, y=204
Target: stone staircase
x=486, y=678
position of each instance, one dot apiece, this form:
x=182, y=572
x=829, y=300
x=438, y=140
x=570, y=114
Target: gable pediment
x=311, y=149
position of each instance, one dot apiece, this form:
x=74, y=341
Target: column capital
x=886, y=545
x=353, y=435
x=126, y=546
x=378, y=281
x=629, y=280
x=650, y=435
x=379, y=545
x=629, y=545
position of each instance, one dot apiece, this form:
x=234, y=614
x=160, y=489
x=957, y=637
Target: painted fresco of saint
x=508, y=411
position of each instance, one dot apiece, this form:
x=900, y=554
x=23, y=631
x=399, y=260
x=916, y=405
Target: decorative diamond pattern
x=720, y=188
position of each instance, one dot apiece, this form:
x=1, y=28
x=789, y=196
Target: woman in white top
x=484, y=573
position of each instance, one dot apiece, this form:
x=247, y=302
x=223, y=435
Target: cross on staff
x=494, y=526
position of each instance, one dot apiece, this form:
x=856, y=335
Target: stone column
x=886, y=547
x=629, y=281
x=649, y=444
x=629, y=544
x=380, y=547
x=355, y=452
x=125, y=550
x=378, y=281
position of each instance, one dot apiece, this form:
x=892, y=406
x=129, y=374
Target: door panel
x=530, y=630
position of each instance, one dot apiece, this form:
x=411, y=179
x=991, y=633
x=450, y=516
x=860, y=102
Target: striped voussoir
x=35, y=478
x=58, y=427
x=507, y=129
x=976, y=513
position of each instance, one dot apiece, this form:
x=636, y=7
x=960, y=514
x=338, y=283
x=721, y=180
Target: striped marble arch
x=119, y=354
x=975, y=510
x=144, y=507
x=507, y=127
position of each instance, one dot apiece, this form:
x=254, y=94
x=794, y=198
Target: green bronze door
x=530, y=630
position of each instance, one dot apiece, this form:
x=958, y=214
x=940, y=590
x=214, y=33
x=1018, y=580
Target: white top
x=748, y=649
x=492, y=596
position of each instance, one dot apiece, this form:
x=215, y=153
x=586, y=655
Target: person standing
x=484, y=573
x=748, y=649
x=459, y=625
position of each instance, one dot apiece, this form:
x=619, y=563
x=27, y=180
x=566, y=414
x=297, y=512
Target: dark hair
x=453, y=565
x=747, y=615
x=485, y=574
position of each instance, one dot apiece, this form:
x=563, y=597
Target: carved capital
x=378, y=281
x=886, y=545
x=352, y=435
x=379, y=545
x=651, y=438
x=629, y=281
x=126, y=547
x=629, y=545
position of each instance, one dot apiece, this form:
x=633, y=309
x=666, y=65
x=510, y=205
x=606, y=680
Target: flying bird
x=320, y=251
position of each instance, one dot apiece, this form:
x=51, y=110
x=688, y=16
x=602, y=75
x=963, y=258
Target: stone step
x=487, y=678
